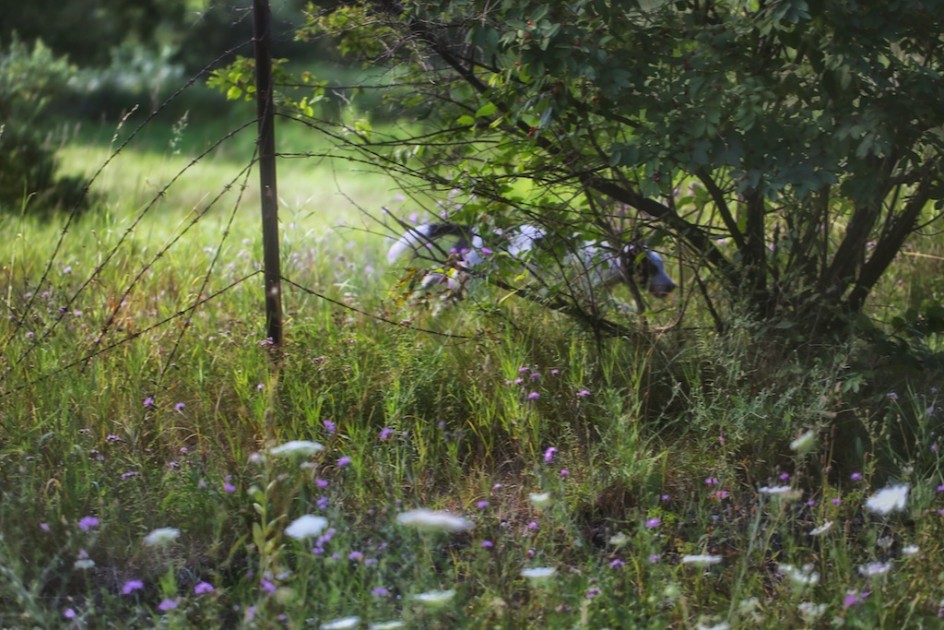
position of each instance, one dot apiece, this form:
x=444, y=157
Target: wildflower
x=203, y=588
x=836, y=501
x=322, y=503
x=892, y=396
x=87, y=523
x=655, y=558
x=804, y=443
x=344, y=461
x=111, y=438
x=487, y=544
x=784, y=476
x=888, y=499
x=853, y=598
x=721, y=625
x=538, y=574
x=549, y=454
x=703, y=560
x=387, y=625
x=583, y=393
x=307, y=526
x=341, y=624
x=44, y=527
x=482, y=504
x=874, y=569
x=810, y=611
x=385, y=434
x=267, y=586
x=355, y=556
x=616, y=563
x=540, y=500
x=179, y=406
x=532, y=526
x=162, y=536
x=781, y=492
x=68, y=613
x=593, y=592
x=533, y=396
x=83, y=562
x=131, y=586
x=329, y=426
x=822, y=529
x=296, y=448
x=380, y=591
x=618, y=539
x=909, y=550
x=804, y=576
x=435, y=599
x=856, y=476
x=564, y=472
x=431, y=520
x=711, y=481
x=167, y=604
x=654, y=522
x=149, y=402
x=130, y=474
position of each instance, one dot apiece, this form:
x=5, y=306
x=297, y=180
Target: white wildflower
x=435, y=599
x=387, y=625
x=722, y=625
x=619, y=540
x=307, y=526
x=703, y=560
x=540, y=500
x=342, y=624
x=804, y=443
x=888, y=500
x=822, y=529
x=537, y=574
x=874, y=569
x=432, y=520
x=810, y=611
x=296, y=448
x=910, y=550
x=162, y=536
x=781, y=492
x=83, y=562
x=804, y=576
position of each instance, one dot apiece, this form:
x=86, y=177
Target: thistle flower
x=307, y=526
x=549, y=454
x=431, y=520
x=131, y=586
x=888, y=500
x=162, y=536
x=167, y=604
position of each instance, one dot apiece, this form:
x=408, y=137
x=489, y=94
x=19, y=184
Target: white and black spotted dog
x=598, y=265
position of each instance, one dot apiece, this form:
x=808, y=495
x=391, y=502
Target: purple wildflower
x=593, y=592
x=386, y=433
x=167, y=604
x=68, y=613
x=533, y=396
x=564, y=472
x=355, y=556
x=322, y=503
x=653, y=522
x=322, y=483
x=487, y=544
x=267, y=586
x=344, y=461
x=380, y=591
x=329, y=426
x=44, y=527
x=131, y=586
x=179, y=406
x=853, y=598
x=228, y=486
x=482, y=504
x=87, y=523
x=711, y=481
x=149, y=401
x=549, y=454
x=583, y=393
x=203, y=588
x=856, y=476
x=617, y=564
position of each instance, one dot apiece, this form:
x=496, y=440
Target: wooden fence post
x=262, y=38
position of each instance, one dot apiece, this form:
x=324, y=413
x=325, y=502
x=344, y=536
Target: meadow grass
x=682, y=479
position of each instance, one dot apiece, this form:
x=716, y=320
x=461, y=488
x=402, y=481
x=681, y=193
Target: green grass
x=662, y=442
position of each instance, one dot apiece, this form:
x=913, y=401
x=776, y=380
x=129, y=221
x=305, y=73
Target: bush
x=30, y=76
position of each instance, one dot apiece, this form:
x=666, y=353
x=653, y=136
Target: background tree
x=789, y=148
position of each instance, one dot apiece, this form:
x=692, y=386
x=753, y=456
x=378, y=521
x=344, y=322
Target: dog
x=597, y=265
